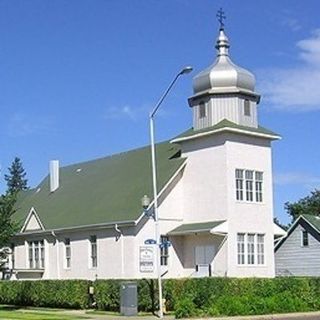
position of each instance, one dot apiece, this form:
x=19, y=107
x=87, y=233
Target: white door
x=204, y=254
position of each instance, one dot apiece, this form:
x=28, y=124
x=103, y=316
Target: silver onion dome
x=223, y=76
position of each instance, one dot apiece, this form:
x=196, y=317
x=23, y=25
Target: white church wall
x=250, y=217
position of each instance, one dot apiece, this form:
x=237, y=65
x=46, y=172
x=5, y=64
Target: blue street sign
x=150, y=241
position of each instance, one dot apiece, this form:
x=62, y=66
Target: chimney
x=54, y=175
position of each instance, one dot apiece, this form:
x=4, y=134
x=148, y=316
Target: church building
x=86, y=221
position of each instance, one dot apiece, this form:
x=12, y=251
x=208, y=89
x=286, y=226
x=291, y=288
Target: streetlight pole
x=185, y=70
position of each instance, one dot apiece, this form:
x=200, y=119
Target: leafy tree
x=16, y=179
x=8, y=227
x=307, y=205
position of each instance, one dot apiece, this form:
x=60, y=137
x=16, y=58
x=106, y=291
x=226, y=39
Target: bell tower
x=224, y=90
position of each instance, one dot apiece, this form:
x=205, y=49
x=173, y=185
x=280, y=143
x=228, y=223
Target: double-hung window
x=93, y=251
x=250, y=249
x=67, y=246
x=249, y=185
x=241, y=248
x=36, y=254
x=239, y=184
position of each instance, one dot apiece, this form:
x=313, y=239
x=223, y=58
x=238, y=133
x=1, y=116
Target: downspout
x=121, y=246
x=58, y=255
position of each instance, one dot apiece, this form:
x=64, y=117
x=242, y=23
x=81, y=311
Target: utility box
x=128, y=299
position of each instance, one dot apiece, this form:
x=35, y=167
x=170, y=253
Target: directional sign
x=150, y=241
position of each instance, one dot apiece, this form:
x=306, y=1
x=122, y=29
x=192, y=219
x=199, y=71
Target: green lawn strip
x=35, y=315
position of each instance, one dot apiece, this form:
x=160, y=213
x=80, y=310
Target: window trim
x=254, y=192
x=256, y=250
x=67, y=245
x=303, y=245
x=91, y=255
x=247, y=108
x=37, y=250
x=202, y=110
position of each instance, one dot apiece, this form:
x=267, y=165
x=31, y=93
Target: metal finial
x=221, y=16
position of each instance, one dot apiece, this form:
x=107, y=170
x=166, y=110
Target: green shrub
x=185, y=308
x=46, y=293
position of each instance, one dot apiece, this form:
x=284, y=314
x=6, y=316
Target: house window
x=164, y=251
x=241, y=248
x=36, y=254
x=250, y=248
x=250, y=183
x=247, y=110
x=67, y=252
x=305, y=238
x=93, y=254
x=12, y=256
x=239, y=184
x=259, y=179
x=202, y=110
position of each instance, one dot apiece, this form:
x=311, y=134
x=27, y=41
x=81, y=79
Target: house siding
x=294, y=259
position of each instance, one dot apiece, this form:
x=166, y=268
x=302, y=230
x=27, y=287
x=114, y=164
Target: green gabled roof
x=313, y=220
x=195, y=227
x=225, y=124
x=101, y=191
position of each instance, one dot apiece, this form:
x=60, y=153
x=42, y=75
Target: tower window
x=202, y=110
x=247, y=110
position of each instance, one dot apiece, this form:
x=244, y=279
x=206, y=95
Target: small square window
x=247, y=110
x=305, y=239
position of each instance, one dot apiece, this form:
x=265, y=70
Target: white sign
x=146, y=259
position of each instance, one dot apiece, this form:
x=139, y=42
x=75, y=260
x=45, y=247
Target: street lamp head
x=186, y=70
x=145, y=202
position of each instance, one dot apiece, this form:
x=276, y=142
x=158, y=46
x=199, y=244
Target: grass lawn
x=26, y=314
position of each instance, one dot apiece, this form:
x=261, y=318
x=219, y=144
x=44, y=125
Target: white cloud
x=21, y=124
x=292, y=23
x=296, y=88
x=297, y=178
x=125, y=111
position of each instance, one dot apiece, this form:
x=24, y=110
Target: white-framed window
x=304, y=238
x=164, y=251
x=260, y=248
x=241, y=248
x=246, y=108
x=239, y=184
x=258, y=181
x=249, y=185
x=250, y=249
x=93, y=251
x=67, y=247
x=202, y=110
x=36, y=254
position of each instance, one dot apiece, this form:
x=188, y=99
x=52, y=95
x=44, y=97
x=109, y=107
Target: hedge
x=46, y=293
x=186, y=297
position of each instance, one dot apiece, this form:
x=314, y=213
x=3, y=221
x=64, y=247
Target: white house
x=298, y=254
x=215, y=198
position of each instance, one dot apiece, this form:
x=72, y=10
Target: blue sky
x=78, y=78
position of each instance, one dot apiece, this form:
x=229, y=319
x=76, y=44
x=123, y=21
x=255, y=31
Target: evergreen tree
x=16, y=179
